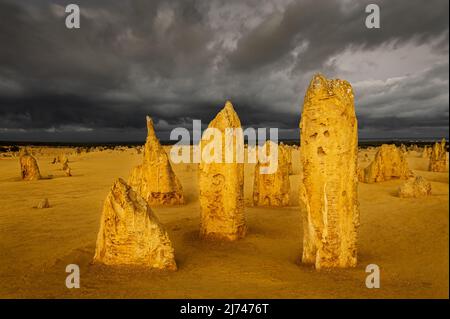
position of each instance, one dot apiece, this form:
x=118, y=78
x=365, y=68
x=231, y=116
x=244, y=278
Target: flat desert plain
x=406, y=237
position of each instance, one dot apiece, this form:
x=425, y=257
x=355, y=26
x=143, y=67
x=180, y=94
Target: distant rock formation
x=68, y=171
x=403, y=148
x=287, y=150
x=273, y=189
x=222, y=187
x=389, y=163
x=415, y=186
x=130, y=233
x=154, y=179
x=62, y=158
x=329, y=150
x=426, y=153
x=438, y=158
x=29, y=169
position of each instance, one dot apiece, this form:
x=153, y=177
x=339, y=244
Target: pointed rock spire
x=222, y=186
x=155, y=179
x=130, y=233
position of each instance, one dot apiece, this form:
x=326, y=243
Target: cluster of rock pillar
x=130, y=233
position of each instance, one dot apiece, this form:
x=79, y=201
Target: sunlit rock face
x=221, y=185
x=29, y=169
x=273, y=189
x=389, y=163
x=438, y=157
x=155, y=179
x=415, y=186
x=329, y=146
x=130, y=233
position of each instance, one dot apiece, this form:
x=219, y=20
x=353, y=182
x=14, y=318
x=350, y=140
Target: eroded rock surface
x=438, y=157
x=130, y=233
x=415, y=186
x=329, y=146
x=222, y=186
x=273, y=189
x=389, y=163
x=29, y=169
x=155, y=179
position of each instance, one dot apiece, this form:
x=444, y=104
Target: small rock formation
x=438, y=158
x=329, y=152
x=426, y=153
x=415, y=186
x=389, y=163
x=62, y=158
x=29, y=169
x=154, y=179
x=68, y=171
x=222, y=186
x=288, y=154
x=360, y=173
x=403, y=149
x=43, y=204
x=130, y=233
x=273, y=189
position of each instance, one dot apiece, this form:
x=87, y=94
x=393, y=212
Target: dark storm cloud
x=329, y=27
x=180, y=60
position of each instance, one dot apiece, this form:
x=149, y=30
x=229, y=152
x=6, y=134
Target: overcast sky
x=180, y=60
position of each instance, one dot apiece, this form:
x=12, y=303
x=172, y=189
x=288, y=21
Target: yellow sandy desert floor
x=407, y=238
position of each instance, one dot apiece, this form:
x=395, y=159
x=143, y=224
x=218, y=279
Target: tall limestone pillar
x=329, y=146
x=221, y=183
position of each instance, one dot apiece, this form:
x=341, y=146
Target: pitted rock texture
x=328, y=189
x=415, y=186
